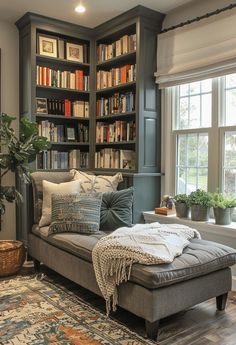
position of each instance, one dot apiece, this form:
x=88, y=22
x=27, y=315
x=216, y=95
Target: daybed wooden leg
x=152, y=329
x=36, y=265
x=221, y=301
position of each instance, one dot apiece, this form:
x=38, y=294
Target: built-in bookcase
x=62, y=99
x=92, y=92
x=116, y=74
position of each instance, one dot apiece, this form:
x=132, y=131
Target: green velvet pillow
x=77, y=212
x=116, y=209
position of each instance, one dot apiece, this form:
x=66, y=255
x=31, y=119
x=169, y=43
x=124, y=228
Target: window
x=202, y=135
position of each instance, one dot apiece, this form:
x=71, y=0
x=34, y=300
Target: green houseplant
x=223, y=207
x=182, y=205
x=200, y=203
x=17, y=154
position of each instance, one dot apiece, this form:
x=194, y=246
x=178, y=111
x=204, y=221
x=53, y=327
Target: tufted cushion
x=92, y=183
x=37, y=179
x=77, y=212
x=116, y=209
x=199, y=258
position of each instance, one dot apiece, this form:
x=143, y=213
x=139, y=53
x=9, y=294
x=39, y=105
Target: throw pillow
x=48, y=189
x=92, y=183
x=116, y=209
x=75, y=213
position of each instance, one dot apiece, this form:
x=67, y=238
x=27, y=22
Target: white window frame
x=169, y=141
x=216, y=135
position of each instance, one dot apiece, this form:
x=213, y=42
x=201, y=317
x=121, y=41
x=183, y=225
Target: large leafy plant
x=17, y=154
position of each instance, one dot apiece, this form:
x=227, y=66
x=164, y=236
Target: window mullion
x=213, y=141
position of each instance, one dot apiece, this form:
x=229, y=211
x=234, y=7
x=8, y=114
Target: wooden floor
x=200, y=325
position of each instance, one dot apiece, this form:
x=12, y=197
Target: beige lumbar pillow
x=50, y=188
x=100, y=183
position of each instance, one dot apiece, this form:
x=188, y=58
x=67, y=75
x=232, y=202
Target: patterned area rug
x=37, y=312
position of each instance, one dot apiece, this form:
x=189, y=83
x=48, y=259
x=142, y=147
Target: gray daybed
x=153, y=292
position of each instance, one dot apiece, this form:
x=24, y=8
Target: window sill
x=208, y=227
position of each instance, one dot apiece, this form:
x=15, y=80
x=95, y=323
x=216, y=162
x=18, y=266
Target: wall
x=192, y=10
x=10, y=104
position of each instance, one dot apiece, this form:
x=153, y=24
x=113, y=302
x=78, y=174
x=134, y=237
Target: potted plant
x=223, y=207
x=182, y=205
x=200, y=203
x=16, y=156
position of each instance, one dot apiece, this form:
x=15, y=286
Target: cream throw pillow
x=100, y=183
x=59, y=188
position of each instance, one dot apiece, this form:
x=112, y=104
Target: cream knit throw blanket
x=148, y=244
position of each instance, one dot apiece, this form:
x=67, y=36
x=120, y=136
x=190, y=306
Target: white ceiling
x=97, y=11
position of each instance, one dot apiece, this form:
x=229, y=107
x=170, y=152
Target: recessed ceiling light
x=80, y=9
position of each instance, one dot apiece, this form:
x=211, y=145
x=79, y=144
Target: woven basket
x=12, y=257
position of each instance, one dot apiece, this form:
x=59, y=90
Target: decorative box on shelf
x=165, y=211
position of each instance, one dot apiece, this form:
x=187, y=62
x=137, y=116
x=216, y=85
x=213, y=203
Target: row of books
x=116, y=76
x=117, y=103
x=64, y=107
x=115, y=159
x=76, y=80
x=115, y=132
x=53, y=159
x=62, y=133
x=124, y=45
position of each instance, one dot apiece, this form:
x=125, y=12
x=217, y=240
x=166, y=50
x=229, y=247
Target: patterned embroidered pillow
x=77, y=212
x=92, y=183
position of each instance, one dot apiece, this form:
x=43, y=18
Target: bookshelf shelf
x=116, y=116
x=58, y=61
x=68, y=143
x=60, y=89
x=124, y=58
x=62, y=117
x=117, y=87
x=117, y=143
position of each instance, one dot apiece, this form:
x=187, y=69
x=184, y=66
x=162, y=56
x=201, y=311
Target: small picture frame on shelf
x=41, y=105
x=70, y=134
x=47, y=46
x=74, y=52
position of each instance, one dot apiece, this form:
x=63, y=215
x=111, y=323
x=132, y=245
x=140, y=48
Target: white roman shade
x=197, y=51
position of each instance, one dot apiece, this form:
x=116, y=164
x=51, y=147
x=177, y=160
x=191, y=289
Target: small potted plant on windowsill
x=17, y=154
x=223, y=207
x=182, y=205
x=200, y=203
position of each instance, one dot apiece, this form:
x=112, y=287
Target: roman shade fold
x=201, y=50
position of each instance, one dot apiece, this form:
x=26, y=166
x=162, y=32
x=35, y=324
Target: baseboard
x=234, y=283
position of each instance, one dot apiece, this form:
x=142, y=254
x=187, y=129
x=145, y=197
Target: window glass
x=229, y=100
x=194, y=105
x=192, y=162
x=229, y=166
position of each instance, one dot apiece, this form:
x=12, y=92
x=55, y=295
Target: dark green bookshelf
x=146, y=24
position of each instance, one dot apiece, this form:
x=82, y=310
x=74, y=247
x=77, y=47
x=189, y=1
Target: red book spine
x=67, y=108
x=81, y=80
